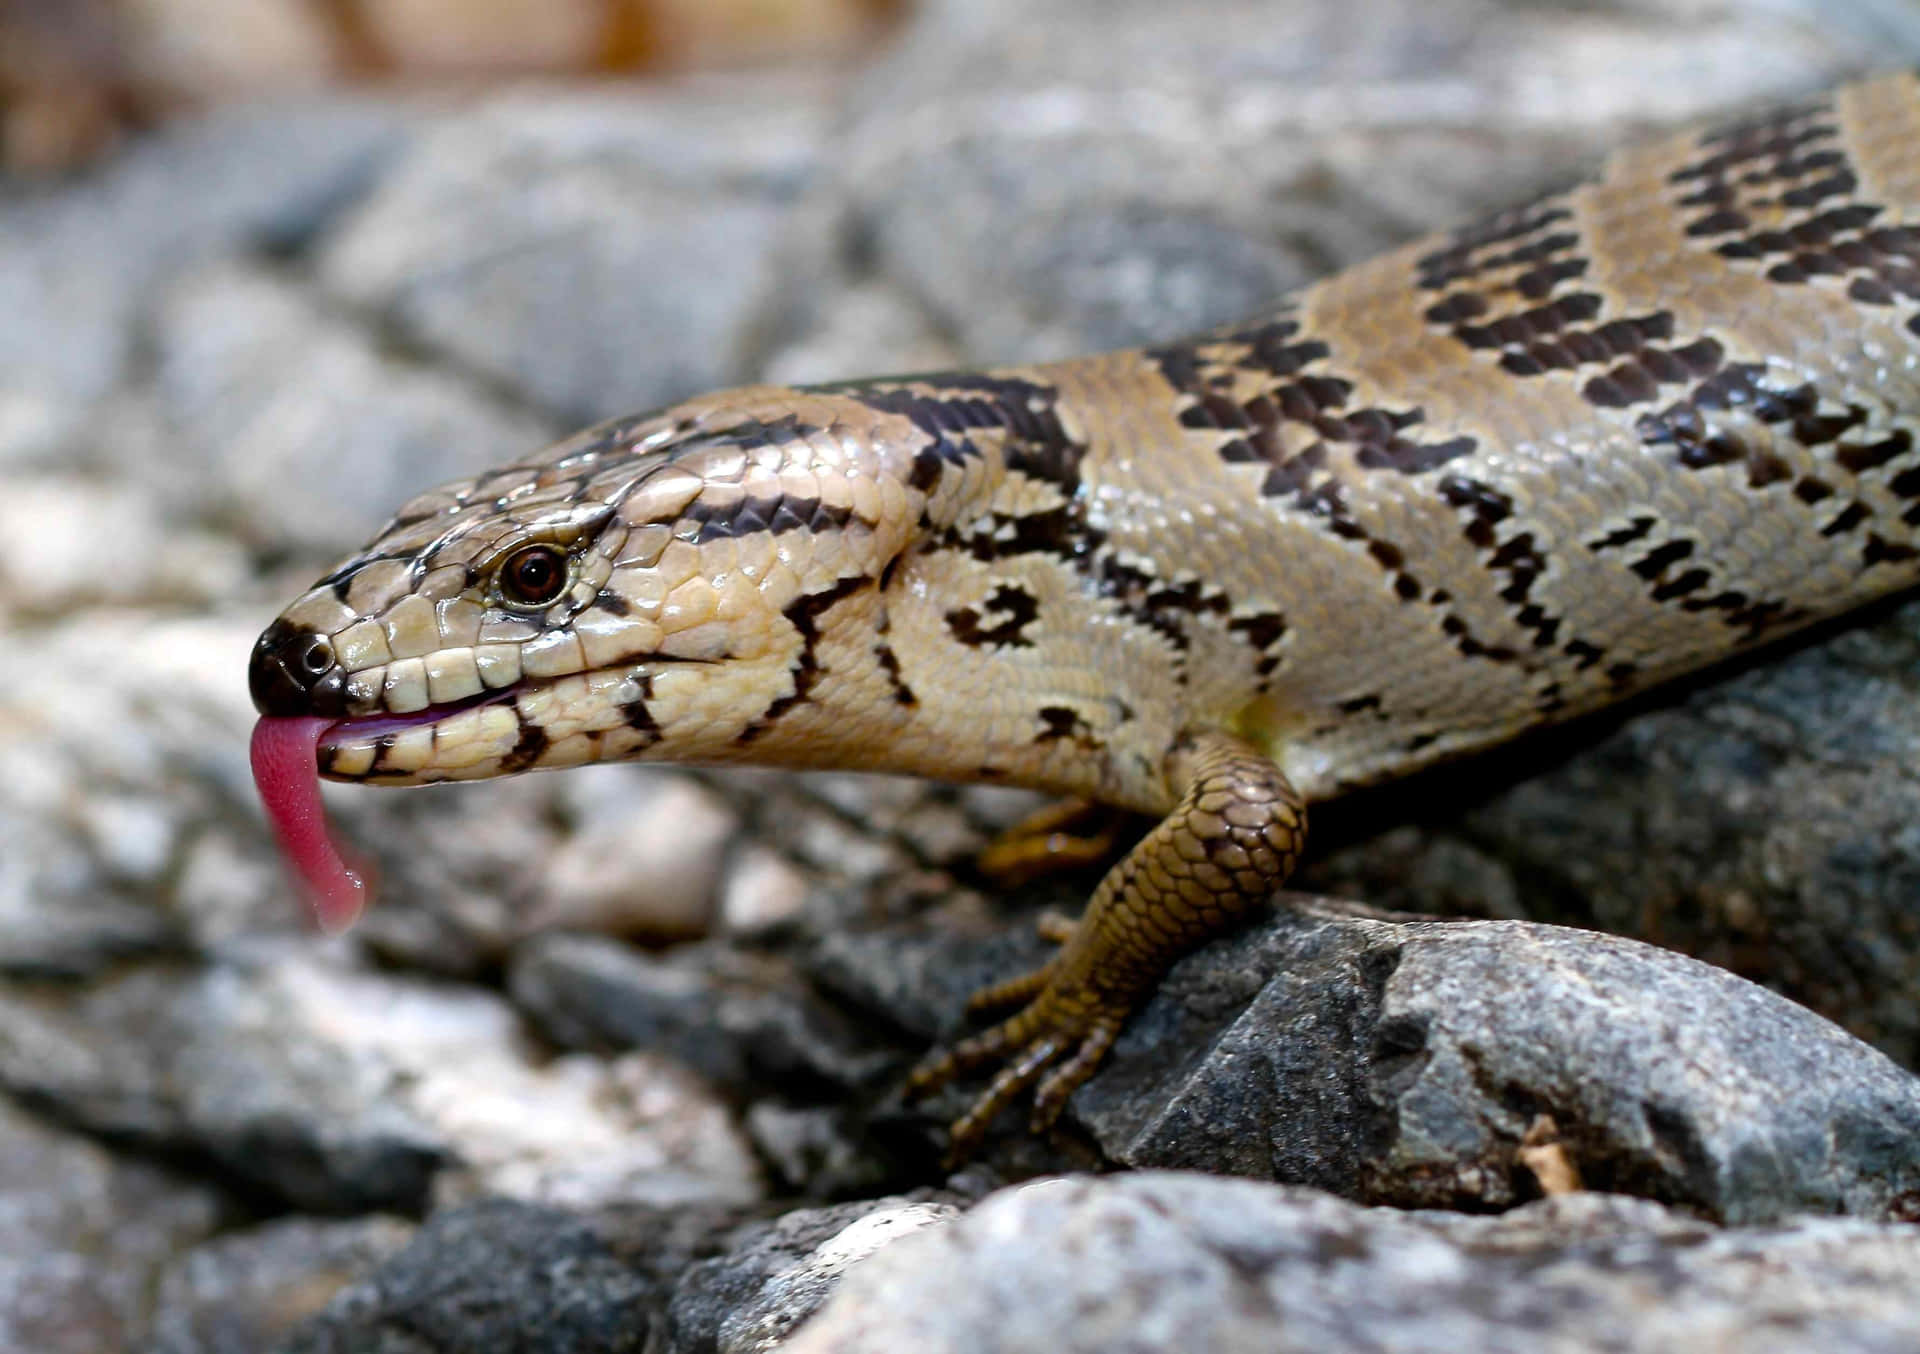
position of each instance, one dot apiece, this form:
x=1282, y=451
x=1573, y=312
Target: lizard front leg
x=1230, y=841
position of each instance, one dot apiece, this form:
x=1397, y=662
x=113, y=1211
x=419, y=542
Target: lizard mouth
x=286, y=754
x=360, y=728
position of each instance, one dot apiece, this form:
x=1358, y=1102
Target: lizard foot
x=1069, y=835
x=1056, y=1040
x=1230, y=840
x=1056, y=927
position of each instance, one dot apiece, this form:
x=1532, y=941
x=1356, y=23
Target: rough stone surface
x=250, y=370
x=499, y=1276
x=740, y=1021
x=83, y=1235
x=1404, y=1063
x=1169, y=1261
x=77, y=267
x=550, y=241
x=340, y=1091
x=242, y=1291
x=1765, y=823
x=774, y=1275
x=227, y=353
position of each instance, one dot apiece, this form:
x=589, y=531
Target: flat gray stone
x=243, y=1290
x=498, y=1276
x=295, y=419
x=1166, y=168
x=343, y=1091
x=601, y=253
x=83, y=1237
x=1405, y=1063
x=773, y=1275
x=1167, y=1261
x=744, y=1022
x=76, y=267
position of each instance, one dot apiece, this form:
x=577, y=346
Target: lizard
x=1502, y=476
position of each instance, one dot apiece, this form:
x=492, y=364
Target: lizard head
x=690, y=586
x=650, y=587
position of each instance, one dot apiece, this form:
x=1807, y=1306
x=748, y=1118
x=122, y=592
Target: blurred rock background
x=75, y=75
x=611, y=1064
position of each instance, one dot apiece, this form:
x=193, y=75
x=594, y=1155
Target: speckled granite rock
x=341, y=1090
x=495, y=1276
x=245, y=1289
x=83, y=1236
x=1165, y=1261
x=1406, y=1063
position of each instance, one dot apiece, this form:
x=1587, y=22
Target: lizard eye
x=533, y=576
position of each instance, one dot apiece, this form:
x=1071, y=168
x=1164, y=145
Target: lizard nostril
x=317, y=657
x=294, y=672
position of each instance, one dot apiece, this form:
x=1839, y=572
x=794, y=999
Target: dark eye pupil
x=535, y=576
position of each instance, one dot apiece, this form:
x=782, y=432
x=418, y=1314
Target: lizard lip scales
x=363, y=727
x=286, y=772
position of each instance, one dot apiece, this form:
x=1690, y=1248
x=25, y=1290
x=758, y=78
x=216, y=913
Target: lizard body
x=1489, y=481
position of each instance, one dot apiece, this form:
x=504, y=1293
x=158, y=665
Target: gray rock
x=107, y=789
x=341, y=1091
x=601, y=253
x=262, y=388
x=774, y=1275
x=212, y=1066
x=1405, y=1063
x=500, y=1276
x=1166, y=1261
x=1765, y=823
x=645, y=863
x=245, y=1289
x=1104, y=174
x=742, y=1021
x=82, y=1236
x=76, y=267
x=361, y=298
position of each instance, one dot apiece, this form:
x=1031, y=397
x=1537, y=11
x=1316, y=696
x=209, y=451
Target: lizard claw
x=1029, y=1043
x=1069, y=835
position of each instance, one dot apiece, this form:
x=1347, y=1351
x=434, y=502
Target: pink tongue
x=285, y=768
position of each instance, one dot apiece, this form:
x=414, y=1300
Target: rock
x=262, y=389
x=643, y=862
x=1120, y=174
x=601, y=252
x=1169, y=1261
x=746, y=1023
x=826, y=1151
x=1405, y=1063
x=53, y=565
x=353, y=297
x=497, y=1275
x=83, y=1234
x=77, y=267
x=774, y=1275
x=1764, y=823
x=761, y=891
x=341, y=1091
x=122, y=753
x=243, y=1290
x=864, y=328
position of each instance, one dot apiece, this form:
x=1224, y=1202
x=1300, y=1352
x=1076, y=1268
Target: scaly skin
x=1489, y=481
